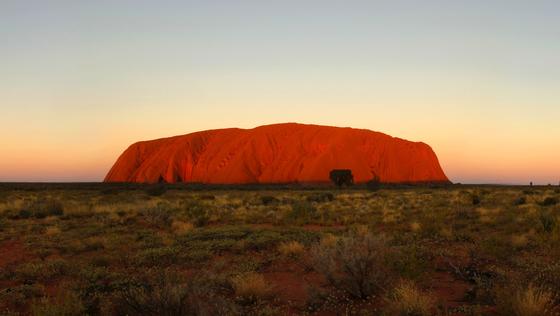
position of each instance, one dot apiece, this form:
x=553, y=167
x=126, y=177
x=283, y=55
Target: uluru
x=278, y=153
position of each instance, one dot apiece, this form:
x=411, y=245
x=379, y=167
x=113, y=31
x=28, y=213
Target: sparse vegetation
x=124, y=250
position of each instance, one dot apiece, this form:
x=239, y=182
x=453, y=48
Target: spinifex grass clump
x=407, y=299
x=250, y=288
x=526, y=301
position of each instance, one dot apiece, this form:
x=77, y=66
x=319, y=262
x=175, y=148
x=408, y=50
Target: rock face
x=280, y=153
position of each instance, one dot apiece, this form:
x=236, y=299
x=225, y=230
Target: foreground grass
x=417, y=251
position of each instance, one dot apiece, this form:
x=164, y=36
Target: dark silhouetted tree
x=374, y=184
x=341, y=177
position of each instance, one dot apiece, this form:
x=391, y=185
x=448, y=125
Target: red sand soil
x=12, y=252
x=280, y=153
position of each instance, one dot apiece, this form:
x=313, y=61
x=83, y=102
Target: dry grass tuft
x=408, y=299
x=519, y=241
x=531, y=301
x=250, y=287
x=389, y=216
x=415, y=227
x=292, y=249
x=362, y=230
x=446, y=232
x=181, y=228
x=329, y=240
x=52, y=231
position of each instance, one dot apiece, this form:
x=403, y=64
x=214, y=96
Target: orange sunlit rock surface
x=280, y=153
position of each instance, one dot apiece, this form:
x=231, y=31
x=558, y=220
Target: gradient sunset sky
x=479, y=81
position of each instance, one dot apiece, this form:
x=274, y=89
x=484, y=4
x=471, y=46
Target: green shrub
x=100, y=261
x=109, y=191
x=159, y=215
x=465, y=213
x=302, y=212
x=207, y=197
x=547, y=221
x=475, y=199
x=355, y=264
x=43, y=271
x=41, y=208
x=520, y=201
x=158, y=256
x=499, y=248
x=197, y=214
x=24, y=214
x=95, y=285
x=156, y=189
x=167, y=295
x=374, y=184
x=67, y=304
x=228, y=237
x=269, y=200
x=549, y=201
x=20, y=295
x=410, y=261
x=320, y=197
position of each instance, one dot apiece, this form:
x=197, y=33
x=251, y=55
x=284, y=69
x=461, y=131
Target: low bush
x=520, y=201
x=197, y=214
x=207, y=197
x=158, y=256
x=549, y=201
x=156, y=189
x=269, y=200
x=95, y=285
x=547, y=221
x=411, y=261
x=475, y=199
x=320, y=197
x=40, y=208
x=302, y=212
x=19, y=295
x=355, y=264
x=43, y=271
x=165, y=295
x=159, y=216
x=374, y=184
x=66, y=304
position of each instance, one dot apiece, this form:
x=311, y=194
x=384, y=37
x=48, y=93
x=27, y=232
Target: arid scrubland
x=457, y=250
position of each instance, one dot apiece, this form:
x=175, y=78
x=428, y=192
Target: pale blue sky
x=477, y=80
